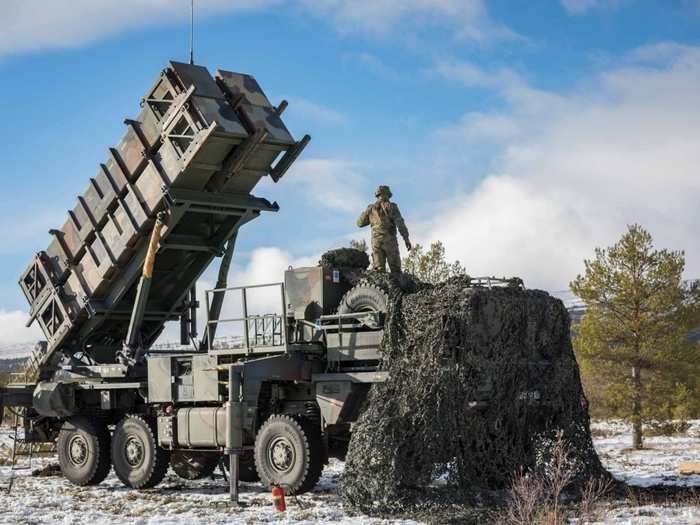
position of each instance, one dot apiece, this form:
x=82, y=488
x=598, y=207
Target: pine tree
x=359, y=245
x=633, y=336
x=431, y=266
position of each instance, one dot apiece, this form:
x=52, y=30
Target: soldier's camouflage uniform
x=385, y=218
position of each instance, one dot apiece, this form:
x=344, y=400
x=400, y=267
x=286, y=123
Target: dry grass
x=537, y=498
x=593, y=492
x=38, y=450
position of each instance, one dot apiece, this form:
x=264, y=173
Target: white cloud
x=465, y=73
x=266, y=265
x=316, y=112
x=31, y=25
x=505, y=81
x=330, y=183
x=658, y=52
x=502, y=79
x=573, y=169
x=579, y=7
x=13, y=330
x=468, y=18
x=482, y=126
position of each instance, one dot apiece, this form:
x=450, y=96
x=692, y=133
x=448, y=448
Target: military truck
x=278, y=397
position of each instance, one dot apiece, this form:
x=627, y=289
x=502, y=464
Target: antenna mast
x=192, y=32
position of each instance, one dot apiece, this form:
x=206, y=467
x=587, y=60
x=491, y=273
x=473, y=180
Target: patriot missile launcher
x=277, y=398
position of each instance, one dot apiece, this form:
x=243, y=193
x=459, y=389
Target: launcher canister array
x=196, y=150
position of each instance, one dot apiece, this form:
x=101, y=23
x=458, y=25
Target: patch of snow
x=656, y=464
x=652, y=515
x=38, y=501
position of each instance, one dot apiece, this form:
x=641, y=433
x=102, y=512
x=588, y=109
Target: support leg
x=132, y=345
x=218, y=298
x=234, y=430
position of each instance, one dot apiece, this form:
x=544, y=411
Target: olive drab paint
x=196, y=150
x=384, y=218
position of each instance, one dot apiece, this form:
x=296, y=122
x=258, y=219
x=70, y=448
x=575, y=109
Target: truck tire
x=83, y=451
x=193, y=465
x=138, y=460
x=289, y=453
x=364, y=298
x=246, y=467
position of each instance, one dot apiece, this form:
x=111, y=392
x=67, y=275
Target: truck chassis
x=279, y=400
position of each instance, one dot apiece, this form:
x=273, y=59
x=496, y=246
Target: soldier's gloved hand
x=408, y=245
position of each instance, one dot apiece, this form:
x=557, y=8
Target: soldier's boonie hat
x=383, y=190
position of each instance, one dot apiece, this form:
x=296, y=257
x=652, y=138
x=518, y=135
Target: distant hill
x=15, y=350
x=7, y=367
x=11, y=365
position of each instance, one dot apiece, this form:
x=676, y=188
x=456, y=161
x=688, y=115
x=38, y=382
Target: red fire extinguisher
x=278, y=498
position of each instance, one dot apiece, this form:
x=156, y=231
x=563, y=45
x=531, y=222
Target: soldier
x=384, y=217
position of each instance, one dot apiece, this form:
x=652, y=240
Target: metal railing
x=30, y=370
x=491, y=282
x=262, y=330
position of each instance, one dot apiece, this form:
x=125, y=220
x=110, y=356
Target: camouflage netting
x=481, y=381
x=345, y=258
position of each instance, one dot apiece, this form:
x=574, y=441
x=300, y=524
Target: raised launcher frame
x=196, y=150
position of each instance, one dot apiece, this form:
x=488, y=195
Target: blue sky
x=522, y=134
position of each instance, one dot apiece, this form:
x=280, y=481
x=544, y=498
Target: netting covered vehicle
x=281, y=372
x=275, y=392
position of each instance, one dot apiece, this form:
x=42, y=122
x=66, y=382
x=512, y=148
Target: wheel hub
x=281, y=454
x=133, y=451
x=78, y=450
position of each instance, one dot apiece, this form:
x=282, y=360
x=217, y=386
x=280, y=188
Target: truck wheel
x=193, y=465
x=246, y=467
x=363, y=298
x=138, y=460
x=83, y=451
x=289, y=453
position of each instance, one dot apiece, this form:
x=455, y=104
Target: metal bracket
x=175, y=108
x=288, y=159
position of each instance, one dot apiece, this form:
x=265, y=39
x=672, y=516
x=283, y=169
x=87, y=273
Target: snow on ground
x=49, y=500
x=656, y=464
x=652, y=515
x=44, y=500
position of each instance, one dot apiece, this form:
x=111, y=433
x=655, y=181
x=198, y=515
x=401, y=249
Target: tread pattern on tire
x=312, y=442
x=102, y=443
x=316, y=463
x=161, y=459
x=363, y=295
